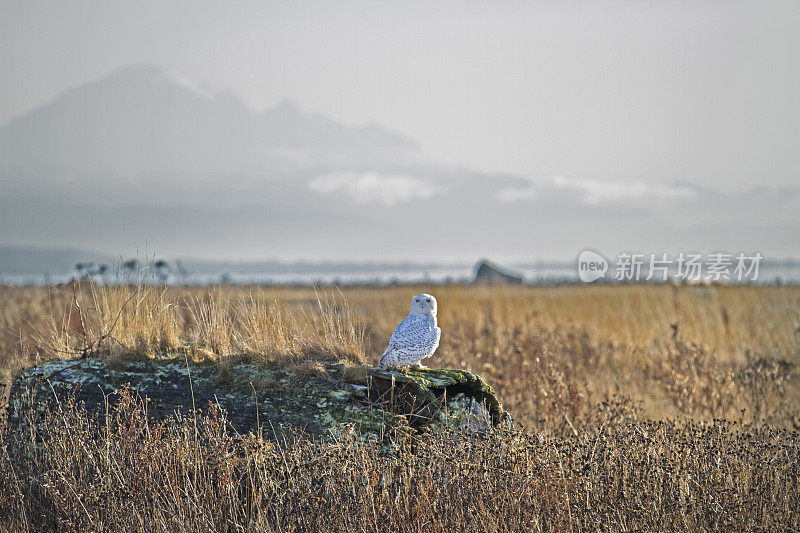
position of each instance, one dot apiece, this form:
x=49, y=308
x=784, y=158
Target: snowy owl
x=416, y=337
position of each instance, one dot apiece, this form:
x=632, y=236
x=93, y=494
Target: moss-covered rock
x=323, y=401
x=428, y=391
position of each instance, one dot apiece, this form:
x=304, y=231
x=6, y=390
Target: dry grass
x=621, y=392
x=619, y=473
x=255, y=323
x=258, y=320
x=552, y=353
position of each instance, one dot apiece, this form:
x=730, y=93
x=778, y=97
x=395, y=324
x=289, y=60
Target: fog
x=400, y=131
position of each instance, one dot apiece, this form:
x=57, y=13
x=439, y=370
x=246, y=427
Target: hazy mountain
x=138, y=161
x=137, y=129
x=26, y=260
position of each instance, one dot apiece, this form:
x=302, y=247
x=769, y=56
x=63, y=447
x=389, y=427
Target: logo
x=591, y=266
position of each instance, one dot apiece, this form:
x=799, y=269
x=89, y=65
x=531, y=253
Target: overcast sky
x=629, y=92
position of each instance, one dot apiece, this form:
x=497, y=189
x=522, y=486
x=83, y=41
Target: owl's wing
x=436, y=338
x=397, y=341
x=417, y=338
x=412, y=340
x=401, y=332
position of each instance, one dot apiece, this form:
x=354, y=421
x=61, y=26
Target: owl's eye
x=417, y=300
x=428, y=301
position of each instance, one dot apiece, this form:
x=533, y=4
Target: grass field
x=637, y=407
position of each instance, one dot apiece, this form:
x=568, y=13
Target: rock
x=423, y=394
x=488, y=273
x=323, y=403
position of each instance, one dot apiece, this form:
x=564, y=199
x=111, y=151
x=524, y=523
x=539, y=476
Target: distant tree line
x=160, y=269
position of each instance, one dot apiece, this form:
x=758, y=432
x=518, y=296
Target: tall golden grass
x=679, y=350
x=637, y=407
x=145, y=320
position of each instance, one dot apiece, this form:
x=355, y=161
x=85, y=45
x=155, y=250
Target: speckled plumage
x=416, y=337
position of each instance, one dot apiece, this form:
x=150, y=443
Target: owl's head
x=423, y=304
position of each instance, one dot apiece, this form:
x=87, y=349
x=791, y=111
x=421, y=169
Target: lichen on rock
x=324, y=404
x=427, y=392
